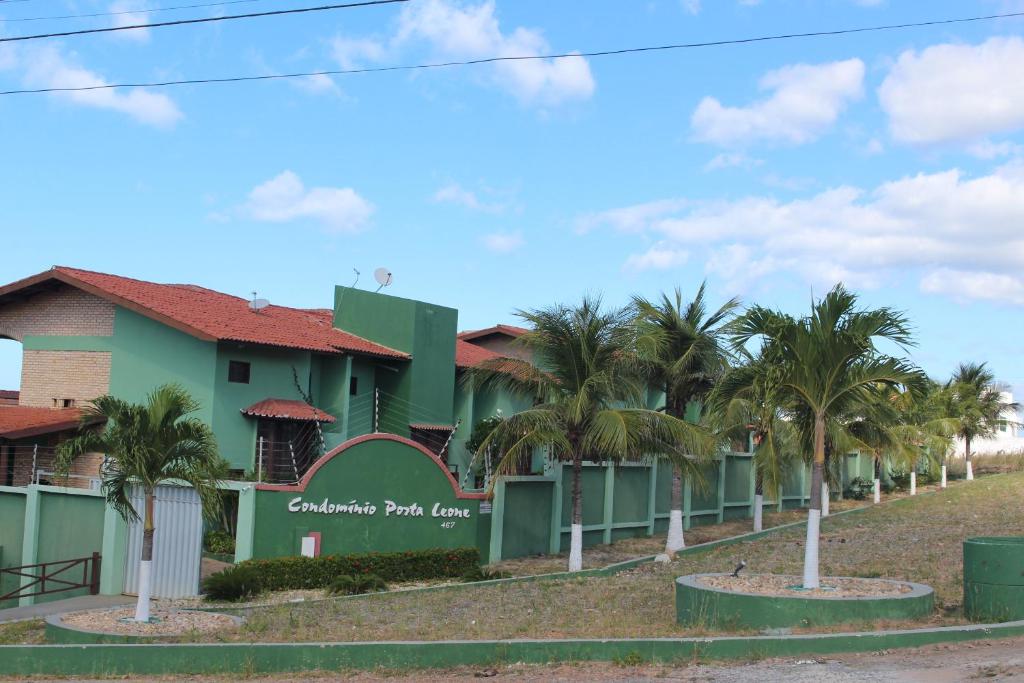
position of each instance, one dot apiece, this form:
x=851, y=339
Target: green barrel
x=994, y=579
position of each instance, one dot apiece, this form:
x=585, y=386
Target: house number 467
x=448, y=525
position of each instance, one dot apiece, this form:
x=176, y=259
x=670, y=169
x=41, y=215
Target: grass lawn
x=915, y=539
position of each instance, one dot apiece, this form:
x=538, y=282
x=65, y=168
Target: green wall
x=371, y=472
x=527, y=529
x=61, y=540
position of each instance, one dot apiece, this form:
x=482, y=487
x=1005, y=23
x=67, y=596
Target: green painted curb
x=700, y=605
x=59, y=633
x=252, y=658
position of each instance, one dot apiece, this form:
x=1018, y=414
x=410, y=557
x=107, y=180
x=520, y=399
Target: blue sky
x=892, y=161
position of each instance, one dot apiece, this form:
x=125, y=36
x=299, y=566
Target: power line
x=203, y=20
x=132, y=11
x=491, y=60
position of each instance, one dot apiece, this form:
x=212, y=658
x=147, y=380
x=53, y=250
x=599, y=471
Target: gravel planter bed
x=117, y=625
x=774, y=584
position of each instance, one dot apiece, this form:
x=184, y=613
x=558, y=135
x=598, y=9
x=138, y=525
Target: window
x=238, y=372
x=353, y=386
x=63, y=403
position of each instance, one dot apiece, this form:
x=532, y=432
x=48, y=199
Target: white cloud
x=503, y=242
x=453, y=193
x=284, y=198
x=924, y=226
x=805, y=100
x=970, y=285
x=354, y=53
x=634, y=218
x=471, y=31
x=986, y=149
x=731, y=160
x=135, y=14
x=691, y=6
x=317, y=84
x=950, y=93
x=48, y=68
x=659, y=257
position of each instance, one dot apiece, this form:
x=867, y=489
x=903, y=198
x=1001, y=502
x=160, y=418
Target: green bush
x=859, y=488
x=233, y=584
x=483, y=574
x=356, y=584
x=219, y=542
x=293, y=573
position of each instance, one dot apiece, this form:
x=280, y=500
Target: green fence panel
x=738, y=470
x=592, y=478
x=526, y=525
x=632, y=486
x=705, y=497
x=663, y=488
x=12, y=532
x=70, y=526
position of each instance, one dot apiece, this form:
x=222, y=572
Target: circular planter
x=701, y=605
x=57, y=632
x=994, y=578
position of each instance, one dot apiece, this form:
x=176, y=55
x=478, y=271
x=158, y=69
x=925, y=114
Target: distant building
x=1005, y=441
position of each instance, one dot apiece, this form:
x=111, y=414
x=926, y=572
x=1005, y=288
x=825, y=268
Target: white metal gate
x=177, y=543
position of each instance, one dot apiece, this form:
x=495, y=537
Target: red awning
x=286, y=409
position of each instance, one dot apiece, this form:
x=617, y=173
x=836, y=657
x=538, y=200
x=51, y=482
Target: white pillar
x=913, y=483
x=576, y=548
x=970, y=471
x=878, y=490
x=675, y=541
x=811, y=549
x=758, y=512
x=824, y=499
x=943, y=476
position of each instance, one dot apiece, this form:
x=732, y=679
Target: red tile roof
x=215, y=316
x=467, y=355
x=19, y=422
x=507, y=330
x=286, y=409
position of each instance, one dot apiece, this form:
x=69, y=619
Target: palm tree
x=146, y=445
x=748, y=400
x=588, y=395
x=978, y=405
x=830, y=367
x=684, y=352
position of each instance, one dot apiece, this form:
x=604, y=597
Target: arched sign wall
x=376, y=493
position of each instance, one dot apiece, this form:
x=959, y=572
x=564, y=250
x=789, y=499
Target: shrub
x=233, y=584
x=219, y=542
x=356, y=584
x=483, y=574
x=859, y=488
x=293, y=573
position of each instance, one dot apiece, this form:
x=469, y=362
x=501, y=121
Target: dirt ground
x=1001, y=660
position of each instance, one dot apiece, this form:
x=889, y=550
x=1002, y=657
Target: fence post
x=652, y=492
x=721, y=488
x=608, y=517
x=94, y=583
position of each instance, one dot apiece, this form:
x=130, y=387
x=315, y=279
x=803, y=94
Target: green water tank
x=994, y=579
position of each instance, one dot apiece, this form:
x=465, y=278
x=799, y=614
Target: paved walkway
x=57, y=606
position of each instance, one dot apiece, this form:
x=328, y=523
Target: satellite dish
x=258, y=305
x=383, y=277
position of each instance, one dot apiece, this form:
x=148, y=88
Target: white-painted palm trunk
x=145, y=589
x=943, y=476
x=675, y=541
x=811, y=549
x=824, y=499
x=878, y=490
x=758, y=512
x=970, y=471
x=576, y=548
x=913, y=483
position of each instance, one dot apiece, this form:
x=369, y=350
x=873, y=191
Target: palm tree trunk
x=146, y=563
x=758, y=502
x=826, y=496
x=576, y=530
x=675, y=540
x=967, y=457
x=814, y=513
x=878, y=480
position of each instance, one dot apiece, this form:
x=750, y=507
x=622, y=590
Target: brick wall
x=63, y=312
x=78, y=375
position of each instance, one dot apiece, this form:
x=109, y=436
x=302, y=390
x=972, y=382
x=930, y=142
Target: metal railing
x=49, y=571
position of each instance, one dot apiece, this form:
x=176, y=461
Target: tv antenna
x=257, y=305
x=383, y=277
x=356, y=281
